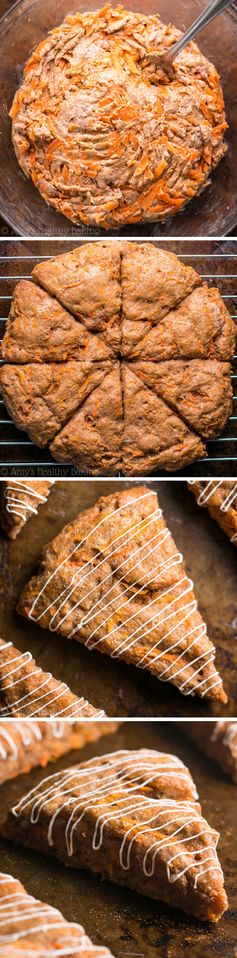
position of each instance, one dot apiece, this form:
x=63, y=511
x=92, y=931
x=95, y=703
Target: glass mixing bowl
x=214, y=213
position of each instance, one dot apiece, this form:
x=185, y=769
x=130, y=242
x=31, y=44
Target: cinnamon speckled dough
x=154, y=436
x=151, y=288
x=42, y=397
x=198, y=328
x=39, y=330
x=87, y=282
x=119, y=357
x=114, y=581
x=20, y=500
x=200, y=393
x=103, y=133
x=94, y=434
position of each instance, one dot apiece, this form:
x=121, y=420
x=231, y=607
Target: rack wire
x=18, y=455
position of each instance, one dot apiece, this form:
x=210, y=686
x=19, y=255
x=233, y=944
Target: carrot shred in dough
x=103, y=133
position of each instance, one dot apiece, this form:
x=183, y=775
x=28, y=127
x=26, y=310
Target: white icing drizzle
x=210, y=488
x=27, y=732
x=116, y=793
x=175, y=612
x=15, y=501
x=48, y=697
x=22, y=917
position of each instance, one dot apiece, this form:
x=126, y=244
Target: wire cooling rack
x=215, y=263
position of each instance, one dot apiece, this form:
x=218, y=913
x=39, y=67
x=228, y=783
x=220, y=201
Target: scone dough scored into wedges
x=114, y=580
x=118, y=357
x=131, y=817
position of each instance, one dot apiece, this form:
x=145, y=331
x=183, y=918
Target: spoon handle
x=211, y=11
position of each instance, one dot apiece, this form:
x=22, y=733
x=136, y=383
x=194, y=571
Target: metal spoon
x=212, y=10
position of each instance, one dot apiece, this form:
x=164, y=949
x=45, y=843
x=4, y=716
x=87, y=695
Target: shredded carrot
x=159, y=169
x=133, y=116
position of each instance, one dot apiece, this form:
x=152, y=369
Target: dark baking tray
x=110, y=684
x=217, y=262
x=214, y=213
x=131, y=925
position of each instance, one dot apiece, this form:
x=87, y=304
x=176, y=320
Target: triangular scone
x=20, y=500
x=114, y=580
x=87, y=282
x=32, y=927
x=92, y=438
x=199, y=328
x=130, y=817
x=26, y=690
x=41, y=397
x=40, y=330
x=26, y=744
x=200, y=393
x=219, y=496
x=153, y=282
x=153, y=435
x=218, y=740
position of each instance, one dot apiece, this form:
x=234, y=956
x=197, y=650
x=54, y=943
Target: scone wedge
x=34, y=928
x=26, y=744
x=218, y=740
x=130, y=817
x=219, y=496
x=114, y=580
x=118, y=357
x=20, y=500
x=25, y=689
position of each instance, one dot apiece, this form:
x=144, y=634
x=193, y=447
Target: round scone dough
x=118, y=357
x=103, y=133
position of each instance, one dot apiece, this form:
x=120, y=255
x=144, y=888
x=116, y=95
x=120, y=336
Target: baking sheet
x=216, y=263
x=110, y=684
x=131, y=925
x=214, y=213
